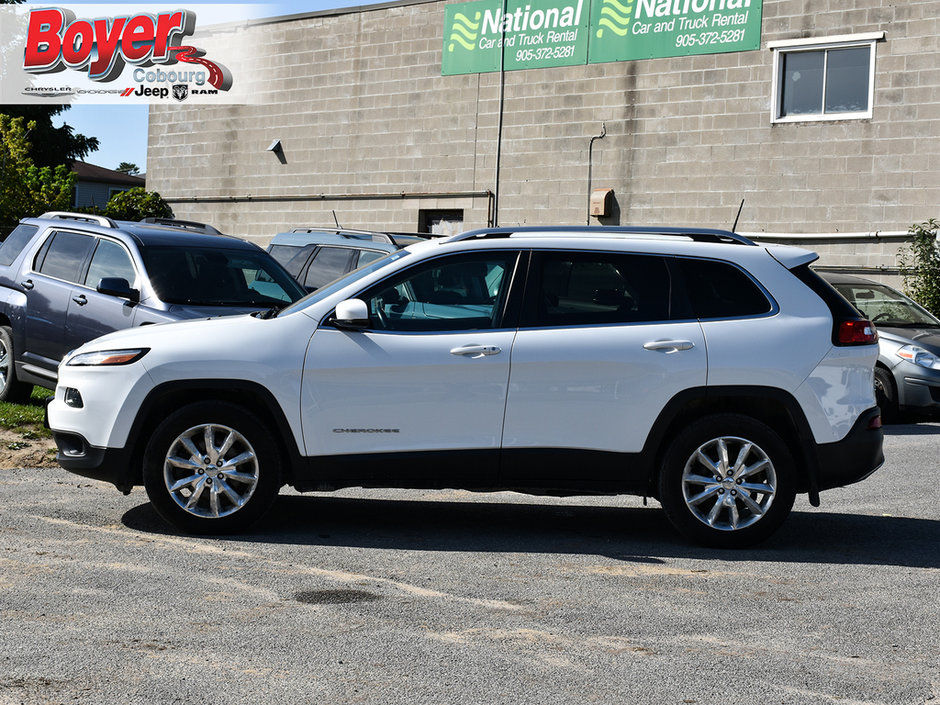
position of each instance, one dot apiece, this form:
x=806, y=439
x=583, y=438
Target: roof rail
x=696, y=234
x=350, y=233
x=101, y=220
x=183, y=224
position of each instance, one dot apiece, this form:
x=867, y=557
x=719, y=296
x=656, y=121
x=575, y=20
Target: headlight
x=107, y=357
x=919, y=357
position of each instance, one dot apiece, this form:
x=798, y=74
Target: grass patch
x=27, y=417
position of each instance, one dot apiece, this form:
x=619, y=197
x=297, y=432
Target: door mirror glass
x=118, y=286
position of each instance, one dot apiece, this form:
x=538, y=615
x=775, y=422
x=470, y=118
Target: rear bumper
x=853, y=458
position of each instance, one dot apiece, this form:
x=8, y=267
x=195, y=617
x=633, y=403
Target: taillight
x=856, y=332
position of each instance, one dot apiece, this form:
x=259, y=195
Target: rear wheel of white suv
x=727, y=481
x=211, y=468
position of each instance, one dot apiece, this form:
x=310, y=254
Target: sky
x=122, y=129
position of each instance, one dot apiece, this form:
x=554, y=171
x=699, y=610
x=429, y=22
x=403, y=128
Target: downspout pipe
x=601, y=136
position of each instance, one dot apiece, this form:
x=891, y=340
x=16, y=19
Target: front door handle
x=28, y=284
x=669, y=346
x=80, y=299
x=475, y=351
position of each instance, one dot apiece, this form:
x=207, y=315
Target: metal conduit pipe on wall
x=402, y=195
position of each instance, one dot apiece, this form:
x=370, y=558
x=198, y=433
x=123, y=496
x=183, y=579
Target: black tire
x=225, y=472
x=11, y=389
x=886, y=395
x=753, y=495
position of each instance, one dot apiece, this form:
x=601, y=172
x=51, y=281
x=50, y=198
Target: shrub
x=137, y=203
x=920, y=265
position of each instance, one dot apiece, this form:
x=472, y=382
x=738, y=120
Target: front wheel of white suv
x=211, y=468
x=727, y=481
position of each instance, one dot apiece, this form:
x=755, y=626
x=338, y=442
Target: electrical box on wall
x=600, y=202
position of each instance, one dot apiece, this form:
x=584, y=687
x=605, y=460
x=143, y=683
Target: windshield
x=212, y=276
x=337, y=284
x=884, y=306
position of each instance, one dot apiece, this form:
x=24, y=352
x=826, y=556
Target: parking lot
x=450, y=597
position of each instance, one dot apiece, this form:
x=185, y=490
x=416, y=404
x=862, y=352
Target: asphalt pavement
x=369, y=596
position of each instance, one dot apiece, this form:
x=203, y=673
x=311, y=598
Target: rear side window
x=721, y=290
x=64, y=255
x=15, y=242
x=593, y=288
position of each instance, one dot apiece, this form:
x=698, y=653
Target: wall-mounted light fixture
x=278, y=150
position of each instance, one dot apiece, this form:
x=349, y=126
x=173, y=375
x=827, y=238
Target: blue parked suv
x=317, y=256
x=66, y=278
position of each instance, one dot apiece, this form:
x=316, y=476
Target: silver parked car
x=907, y=374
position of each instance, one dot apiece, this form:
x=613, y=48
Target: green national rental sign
x=524, y=34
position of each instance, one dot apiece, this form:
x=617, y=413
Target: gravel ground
x=451, y=597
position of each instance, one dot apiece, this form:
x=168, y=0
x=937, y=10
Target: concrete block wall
x=360, y=107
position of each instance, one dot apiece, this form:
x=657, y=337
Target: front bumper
x=853, y=458
x=107, y=464
x=918, y=392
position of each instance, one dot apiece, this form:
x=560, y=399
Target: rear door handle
x=80, y=299
x=28, y=284
x=669, y=346
x=475, y=351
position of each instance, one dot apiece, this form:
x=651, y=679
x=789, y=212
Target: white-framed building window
x=824, y=79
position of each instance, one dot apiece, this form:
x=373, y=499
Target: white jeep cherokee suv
x=693, y=366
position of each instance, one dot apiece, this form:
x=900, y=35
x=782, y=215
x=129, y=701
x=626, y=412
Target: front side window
x=450, y=294
x=328, y=264
x=594, y=288
x=831, y=81
x=110, y=260
x=291, y=258
x=367, y=256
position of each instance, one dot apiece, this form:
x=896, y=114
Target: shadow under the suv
x=632, y=534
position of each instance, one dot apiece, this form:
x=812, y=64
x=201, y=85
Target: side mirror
x=118, y=286
x=352, y=314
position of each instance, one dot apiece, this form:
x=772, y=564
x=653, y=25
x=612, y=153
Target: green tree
x=136, y=204
x=26, y=189
x=51, y=146
x=128, y=168
x=920, y=265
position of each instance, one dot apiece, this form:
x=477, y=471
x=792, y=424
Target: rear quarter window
x=15, y=242
x=721, y=290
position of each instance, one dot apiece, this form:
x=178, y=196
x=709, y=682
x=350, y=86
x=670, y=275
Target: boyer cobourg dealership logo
x=104, y=47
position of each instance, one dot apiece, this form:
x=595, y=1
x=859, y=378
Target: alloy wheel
x=211, y=471
x=729, y=483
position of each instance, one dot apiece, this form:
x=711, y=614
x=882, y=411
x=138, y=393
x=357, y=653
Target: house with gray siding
x=94, y=185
